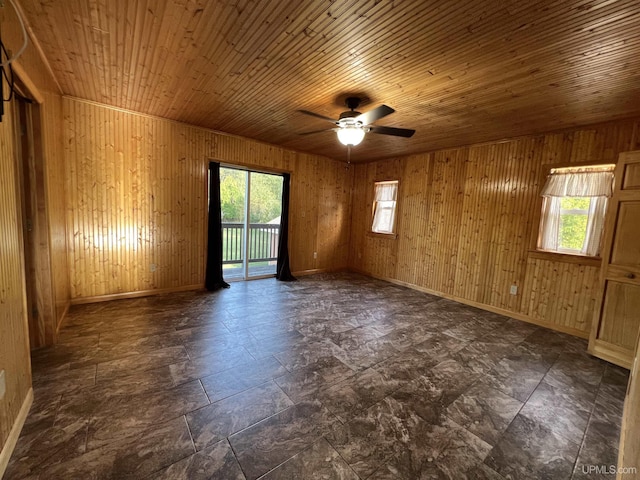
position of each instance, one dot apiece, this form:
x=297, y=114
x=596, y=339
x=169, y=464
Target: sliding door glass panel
x=233, y=193
x=250, y=204
x=265, y=202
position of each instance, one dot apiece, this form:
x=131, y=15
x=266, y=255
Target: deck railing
x=263, y=243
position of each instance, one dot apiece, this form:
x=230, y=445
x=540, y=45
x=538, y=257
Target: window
x=573, y=209
x=384, y=207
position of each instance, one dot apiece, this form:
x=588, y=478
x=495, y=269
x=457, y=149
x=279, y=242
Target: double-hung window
x=384, y=207
x=573, y=209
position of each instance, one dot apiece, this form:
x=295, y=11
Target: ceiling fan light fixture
x=351, y=135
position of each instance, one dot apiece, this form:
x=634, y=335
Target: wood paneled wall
x=137, y=197
x=14, y=336
x=14, y=341
x=465, y=218
x=55, y=186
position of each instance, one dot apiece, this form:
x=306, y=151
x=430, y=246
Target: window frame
x=374, y=205
x=534, y=252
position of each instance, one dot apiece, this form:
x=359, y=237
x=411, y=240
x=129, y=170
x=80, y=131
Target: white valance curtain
x=596, y=183
x=386, y=192
x=579, y=184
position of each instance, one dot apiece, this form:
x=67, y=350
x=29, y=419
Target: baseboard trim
x=14, y=434
x=302, y=273
x=140, y=293
x=501, y=311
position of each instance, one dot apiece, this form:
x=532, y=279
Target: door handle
x=630, y=275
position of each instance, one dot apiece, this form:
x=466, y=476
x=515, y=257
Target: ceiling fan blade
x=317, y=115
x=316, y=131
x=397, y=132
x=377, y=113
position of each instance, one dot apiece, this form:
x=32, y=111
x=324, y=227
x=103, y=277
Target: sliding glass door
x=250, y=204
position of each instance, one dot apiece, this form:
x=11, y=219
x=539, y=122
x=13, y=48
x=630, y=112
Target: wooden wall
x=14, y=340
x=465, y=219
x=14, y=337
x=55, y=187
x=137, y=197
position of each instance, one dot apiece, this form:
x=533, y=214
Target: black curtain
x=213, y=277
x=283, y=272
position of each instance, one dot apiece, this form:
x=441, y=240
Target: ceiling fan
x=352, y=125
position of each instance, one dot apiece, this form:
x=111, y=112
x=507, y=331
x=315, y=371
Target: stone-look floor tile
x=225, y=417
x=357, y=393
x=238, y=379
x=266, y=347
x=274, y=440
x=37, y=451
x=606, y=421
x=367, y=354
x=595, y=457
x=42, y=414
x=208, y=365
x=320, y=461
x=64, y=381
x=353, y=337
x=134, y=458
x=444, y=450
x=124, y=416
x=406, y=337
x=469, y=330
x=529, y=450
x=307, y=381
x=515, y=377
x=404, y=367
x=304, y=354
x=484, y=411
x=206, y=347
x=440, y=346
x=111, y=349
x=139, y=363
x=213, y=331
x=574, y=370
x=376, y=435
x=451, y=377
x=216, y=462
x=561, y=413
x=158, y=378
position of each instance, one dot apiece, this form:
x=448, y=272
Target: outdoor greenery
x=573, y=225
x=266, y=196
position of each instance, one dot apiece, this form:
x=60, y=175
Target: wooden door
x=617, y=313
x=37, y=256
x=629, y=453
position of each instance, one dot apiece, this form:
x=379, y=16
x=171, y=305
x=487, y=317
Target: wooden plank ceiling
x=459, y=72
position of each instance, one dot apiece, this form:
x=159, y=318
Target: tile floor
x=333, y=377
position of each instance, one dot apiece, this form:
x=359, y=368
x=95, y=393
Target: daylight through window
x=573, y=209
x=384, y=207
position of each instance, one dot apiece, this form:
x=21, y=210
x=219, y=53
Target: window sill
x=391, y=236
x=565, y=258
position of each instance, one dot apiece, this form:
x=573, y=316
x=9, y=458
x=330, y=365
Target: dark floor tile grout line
x=235, y=454
x=584, y=434
x=193, y=443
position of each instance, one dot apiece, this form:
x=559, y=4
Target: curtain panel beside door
x=213, y=276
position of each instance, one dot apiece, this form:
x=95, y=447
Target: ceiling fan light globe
x=350, y=135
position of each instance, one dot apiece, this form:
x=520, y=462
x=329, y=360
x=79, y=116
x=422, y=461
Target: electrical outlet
x=153, y=267
x=513, y=290
x=3, y=385
x=315, y=254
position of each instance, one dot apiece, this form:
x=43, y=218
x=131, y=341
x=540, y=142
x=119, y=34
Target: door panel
x=617, y=314
x=620, y=314
x=626, y=237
